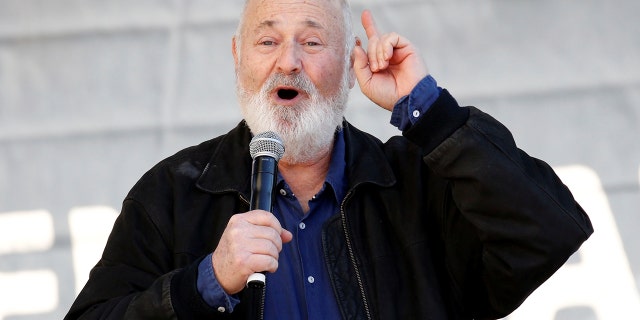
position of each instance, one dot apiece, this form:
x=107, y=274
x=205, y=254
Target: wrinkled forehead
x=322, y=13
x=328, y=4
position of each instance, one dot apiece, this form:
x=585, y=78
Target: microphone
x=266, y=149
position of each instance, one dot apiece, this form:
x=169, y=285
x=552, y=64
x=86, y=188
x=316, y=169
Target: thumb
x=361, y=66
x=286, y=236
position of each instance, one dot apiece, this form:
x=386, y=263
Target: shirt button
x=302, y=225
x=221, y=309
x=283, y=192
x=311, y=279
x=416, y=113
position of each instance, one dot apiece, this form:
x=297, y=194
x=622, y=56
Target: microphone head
x=266, y=144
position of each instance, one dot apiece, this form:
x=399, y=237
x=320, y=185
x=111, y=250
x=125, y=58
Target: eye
x=311, y=43
x=267, y=43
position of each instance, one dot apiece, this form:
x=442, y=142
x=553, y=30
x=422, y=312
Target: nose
x=289, y=60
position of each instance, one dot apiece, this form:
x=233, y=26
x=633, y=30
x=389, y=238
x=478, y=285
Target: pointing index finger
x=369, y=24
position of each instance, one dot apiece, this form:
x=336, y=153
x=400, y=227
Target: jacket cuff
x=185, y=297
x=443, y=118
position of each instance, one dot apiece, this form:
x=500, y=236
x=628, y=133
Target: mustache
x=299, y=81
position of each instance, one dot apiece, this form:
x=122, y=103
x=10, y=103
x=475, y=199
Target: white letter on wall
x=27, y=291
x=89, y=228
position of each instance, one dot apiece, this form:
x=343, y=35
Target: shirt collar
x=336, y=176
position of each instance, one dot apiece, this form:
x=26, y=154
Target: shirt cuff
x=411, y=107
x=211, y=291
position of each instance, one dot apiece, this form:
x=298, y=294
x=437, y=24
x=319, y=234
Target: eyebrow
x=313, y=24
x=271, y=23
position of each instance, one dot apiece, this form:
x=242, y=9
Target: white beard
x=308, y=128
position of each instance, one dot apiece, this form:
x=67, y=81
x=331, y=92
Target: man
x=450, y=221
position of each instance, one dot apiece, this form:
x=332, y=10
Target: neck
x=306, y=179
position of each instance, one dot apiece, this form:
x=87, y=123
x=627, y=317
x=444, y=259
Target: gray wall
x=93, y=93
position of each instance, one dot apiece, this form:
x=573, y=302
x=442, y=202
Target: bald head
x=341, y=8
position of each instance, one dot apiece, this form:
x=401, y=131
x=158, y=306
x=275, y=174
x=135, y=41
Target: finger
x=372, y=54
x=369, y=24
x=263, y=247
x=264, y=218
x=371, y=30
x=262, y=263
x=361, y=66
x=281, y=235
x=387, y=44
x=286, y=236
x=270, y=227
x=380, y=55
x=243, y=254
x=261, y=233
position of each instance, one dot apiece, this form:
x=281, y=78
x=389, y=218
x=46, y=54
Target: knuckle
x=272, y=265
x=235, y=219
x=239, y=261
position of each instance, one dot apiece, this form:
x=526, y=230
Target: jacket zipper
x=352, y=256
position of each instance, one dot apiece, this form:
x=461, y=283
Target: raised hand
x=390, y=67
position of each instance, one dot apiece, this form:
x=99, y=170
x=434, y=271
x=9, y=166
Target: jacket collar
x=365, y=158
x=229, y=169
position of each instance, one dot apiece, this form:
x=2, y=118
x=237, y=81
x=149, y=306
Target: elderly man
x=448, y=221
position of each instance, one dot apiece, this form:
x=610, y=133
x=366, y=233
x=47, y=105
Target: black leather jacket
x=451, y=221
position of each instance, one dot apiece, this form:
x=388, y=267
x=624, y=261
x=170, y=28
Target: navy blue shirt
x=301, y=288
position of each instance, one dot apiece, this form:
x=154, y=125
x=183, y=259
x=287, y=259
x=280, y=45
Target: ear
x=352, y=73
x=234, y=52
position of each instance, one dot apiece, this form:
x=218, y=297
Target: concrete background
x=93, y=93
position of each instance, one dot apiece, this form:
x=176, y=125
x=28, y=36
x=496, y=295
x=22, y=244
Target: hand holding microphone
x=253, y=240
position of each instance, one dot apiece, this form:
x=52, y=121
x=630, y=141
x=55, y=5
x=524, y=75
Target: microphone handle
x=263, y=181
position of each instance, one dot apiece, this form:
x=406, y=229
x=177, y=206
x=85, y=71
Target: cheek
x=252, y=75
x=328, y=80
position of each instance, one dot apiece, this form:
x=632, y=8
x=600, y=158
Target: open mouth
x=287, y=94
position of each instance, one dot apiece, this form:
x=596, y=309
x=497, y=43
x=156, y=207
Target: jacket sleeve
x=137, y=277
x=508, y=222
